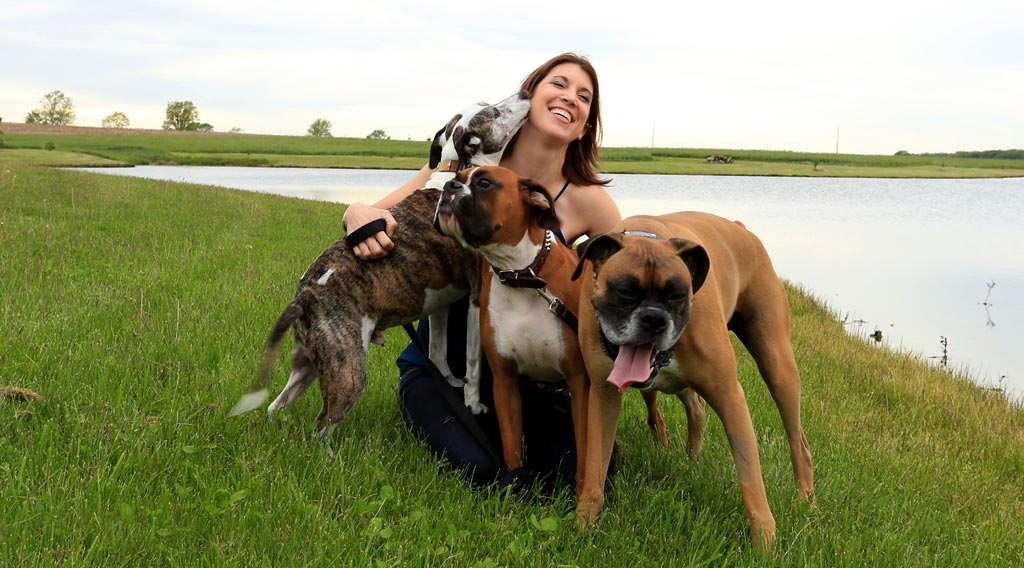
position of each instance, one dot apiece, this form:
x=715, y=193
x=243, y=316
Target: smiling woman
x=557, y=149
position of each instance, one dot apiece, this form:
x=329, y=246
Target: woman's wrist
x=344, y=217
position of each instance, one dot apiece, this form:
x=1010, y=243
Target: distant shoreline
x=89, y=146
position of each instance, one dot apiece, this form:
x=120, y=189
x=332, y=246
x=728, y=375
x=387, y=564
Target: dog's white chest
x=526, y=332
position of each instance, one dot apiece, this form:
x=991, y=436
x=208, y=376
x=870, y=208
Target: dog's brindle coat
x=678, y=284
x=334, y=330
x=343, y=303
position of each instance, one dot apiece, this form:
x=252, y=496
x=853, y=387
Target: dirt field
x=22, y=128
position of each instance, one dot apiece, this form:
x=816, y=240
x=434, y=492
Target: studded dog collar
x=527, y=277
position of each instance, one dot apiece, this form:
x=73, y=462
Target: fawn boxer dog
x=527, y=296
x=656, y=307
x=344, y=303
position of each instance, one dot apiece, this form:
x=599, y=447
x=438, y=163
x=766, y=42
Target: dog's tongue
x=632, y=365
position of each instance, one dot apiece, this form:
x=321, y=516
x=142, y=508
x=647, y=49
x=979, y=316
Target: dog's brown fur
x=730, y=285
x=495, y=218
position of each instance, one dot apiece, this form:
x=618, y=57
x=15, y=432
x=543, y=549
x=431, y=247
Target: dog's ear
x=597, y=250
x=467, y=145
x=696, y=259
x=539, y=201
x=435, y=148
x=442, y=137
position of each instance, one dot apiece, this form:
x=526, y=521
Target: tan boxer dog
x=526, y=283
x=659, y=296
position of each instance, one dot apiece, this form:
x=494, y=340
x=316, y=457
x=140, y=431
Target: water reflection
x=932, y=266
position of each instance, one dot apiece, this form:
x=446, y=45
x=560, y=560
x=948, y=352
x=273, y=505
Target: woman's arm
x=359, y=214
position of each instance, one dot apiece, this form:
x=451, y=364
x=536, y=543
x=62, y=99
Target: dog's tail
x=258, y=393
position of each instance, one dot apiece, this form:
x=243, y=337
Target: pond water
x=937, y=266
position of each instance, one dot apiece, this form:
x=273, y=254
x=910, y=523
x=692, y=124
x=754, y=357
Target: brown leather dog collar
x=449, y=166
x=527, y=277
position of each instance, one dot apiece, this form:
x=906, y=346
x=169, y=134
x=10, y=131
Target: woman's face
x=560, y=104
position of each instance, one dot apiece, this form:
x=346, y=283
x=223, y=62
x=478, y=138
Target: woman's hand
x=374, y=246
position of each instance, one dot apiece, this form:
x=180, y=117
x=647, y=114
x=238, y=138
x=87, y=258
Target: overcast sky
x=879, y=76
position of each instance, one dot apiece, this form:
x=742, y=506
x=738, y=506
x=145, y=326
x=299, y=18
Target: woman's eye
x=585, y=98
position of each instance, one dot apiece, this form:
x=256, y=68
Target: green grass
x=137, y=310
x=306, y=151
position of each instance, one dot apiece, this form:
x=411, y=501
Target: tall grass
x=137, y=311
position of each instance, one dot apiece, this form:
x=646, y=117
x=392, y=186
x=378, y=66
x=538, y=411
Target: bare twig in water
x=989, y=304
x=990, y=285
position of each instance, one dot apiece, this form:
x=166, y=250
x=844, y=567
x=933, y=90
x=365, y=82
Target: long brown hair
x=582, y=156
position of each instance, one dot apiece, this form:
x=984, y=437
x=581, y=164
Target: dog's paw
x=455, y=382
x=477, y=408
x=249, y=401
x=518, y=480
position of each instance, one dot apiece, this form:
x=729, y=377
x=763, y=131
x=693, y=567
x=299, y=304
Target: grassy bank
x=135, y=313
x=108, y=147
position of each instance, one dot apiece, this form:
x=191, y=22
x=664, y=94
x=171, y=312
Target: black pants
x=548, y=439
x=549, y=445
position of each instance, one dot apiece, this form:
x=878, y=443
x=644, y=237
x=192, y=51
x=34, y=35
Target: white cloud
x=889, y=75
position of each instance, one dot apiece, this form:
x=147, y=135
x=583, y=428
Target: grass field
x=134, y=314
x=76, y=147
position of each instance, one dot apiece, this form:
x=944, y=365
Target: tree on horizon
x=57, y=110
x=117, y=119
x=320, y=128
x=181, y=115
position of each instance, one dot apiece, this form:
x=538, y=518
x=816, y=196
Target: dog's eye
x=483, y=183
x=675, y=293
x=677, y=297
x=628, y=294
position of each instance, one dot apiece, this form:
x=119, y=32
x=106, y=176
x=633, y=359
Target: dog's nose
x=653, y=320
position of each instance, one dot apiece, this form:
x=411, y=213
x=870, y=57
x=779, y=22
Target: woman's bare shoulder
x=590, y=210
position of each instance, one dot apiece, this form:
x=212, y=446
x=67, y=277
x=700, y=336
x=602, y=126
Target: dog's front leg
x=579, y=390
x=508, y=406
x=731, y=406
x=603, y=408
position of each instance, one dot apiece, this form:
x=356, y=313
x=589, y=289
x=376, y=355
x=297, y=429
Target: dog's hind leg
x=471, y=392
x=654, y=420
x=766, y=335
x=301, y=377
x=696, y=415
x=340, y=363
x=438, y=347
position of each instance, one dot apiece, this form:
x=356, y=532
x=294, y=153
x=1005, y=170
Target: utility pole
x=652, y=135
x=837, y=140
